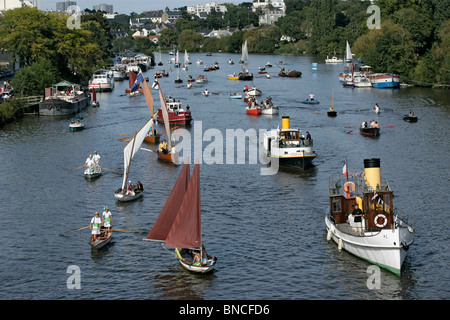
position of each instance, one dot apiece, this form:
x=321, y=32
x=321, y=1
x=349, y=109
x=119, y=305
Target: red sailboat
x=131, y=80
x=179, y=223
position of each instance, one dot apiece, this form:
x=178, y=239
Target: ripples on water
x=267, y=231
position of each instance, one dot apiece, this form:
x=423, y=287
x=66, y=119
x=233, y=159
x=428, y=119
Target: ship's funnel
x=285, y=122
x=372, y=172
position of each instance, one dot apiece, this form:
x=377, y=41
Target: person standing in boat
x=106, y=219
x=95, y=224
x=96, y=157
x=308, y=139
x=90, y=163
x=357, y=216
x=312, y=97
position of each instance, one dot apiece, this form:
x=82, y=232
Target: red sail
x=148, y=97
x=131, y=78
x=186, y=231
x=170, y=210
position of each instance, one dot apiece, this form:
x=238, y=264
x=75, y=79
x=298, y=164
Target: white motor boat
x=102, y=80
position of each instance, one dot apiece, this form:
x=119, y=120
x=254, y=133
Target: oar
x=351, y=130
x=112, y=170
x=148, y=150
x=129, y=231
x=62, y=234
x=76, y=168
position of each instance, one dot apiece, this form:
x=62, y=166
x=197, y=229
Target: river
x=267, y=231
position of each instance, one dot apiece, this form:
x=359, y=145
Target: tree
x=31, y=80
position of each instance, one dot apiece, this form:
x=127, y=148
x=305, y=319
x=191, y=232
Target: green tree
x=190, y=40
x=31, y=80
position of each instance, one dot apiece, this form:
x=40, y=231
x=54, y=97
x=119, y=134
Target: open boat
x=253, y=91
x=288, y=146
x=383, y=238
x=92, y=173
x=179, y=223
x=370, y=131
x=269, y=110
x=307, y=101
x=235, y=95
x=103, y=239
x=253, y=110
x=289, y=73
x=410, y=118
x=76, y=124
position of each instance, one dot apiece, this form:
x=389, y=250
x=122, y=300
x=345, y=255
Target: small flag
x=138, y=80
x=344, y=170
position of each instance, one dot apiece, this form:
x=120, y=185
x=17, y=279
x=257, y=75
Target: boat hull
x=102, y=242
x=385, y=80
x=176, y=117
x=198, y=269
x=152, y=139
x=386, y=248
x=371, y=132
x=331, y=113
x=76, y=127
x=290, y=74
x=270, y=110
x=310, y=102
x=90, y=175
x=126, y=198
x=59, y=107
x=253, y=111
x=410, y=118
x=101, y=87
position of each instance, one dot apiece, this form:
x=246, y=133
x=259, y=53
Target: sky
x=138, y=6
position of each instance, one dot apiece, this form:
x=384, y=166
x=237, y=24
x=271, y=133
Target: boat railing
x=296, y=143
x=336, y=185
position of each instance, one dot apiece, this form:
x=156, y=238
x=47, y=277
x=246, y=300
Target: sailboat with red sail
x=179, y=223
x=131, y=80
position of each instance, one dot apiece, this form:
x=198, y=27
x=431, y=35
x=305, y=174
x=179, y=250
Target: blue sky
x=128, y=6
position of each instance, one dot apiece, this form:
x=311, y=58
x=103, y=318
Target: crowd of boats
x=361, y=217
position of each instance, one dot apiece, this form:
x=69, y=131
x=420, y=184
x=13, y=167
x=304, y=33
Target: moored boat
x=375, y=233
x=333, y=59
x=102, y=80
x=179, y=223
x=63, y=98
x=289, y=146
x=384, y=80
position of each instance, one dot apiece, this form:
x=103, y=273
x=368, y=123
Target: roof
x=64, y=83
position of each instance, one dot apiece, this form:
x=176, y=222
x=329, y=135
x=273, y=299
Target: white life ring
x=380, y=225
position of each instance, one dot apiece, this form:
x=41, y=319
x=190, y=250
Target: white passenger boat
x=102, y=80
x=288, y=146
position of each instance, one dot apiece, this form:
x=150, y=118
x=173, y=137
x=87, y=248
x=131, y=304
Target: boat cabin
x=375, y=201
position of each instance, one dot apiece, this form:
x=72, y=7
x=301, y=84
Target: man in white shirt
x=95, y=224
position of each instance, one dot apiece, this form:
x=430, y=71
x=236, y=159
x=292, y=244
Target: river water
x=267, y=231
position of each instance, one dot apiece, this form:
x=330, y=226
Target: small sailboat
x=178, y=79
x=179, y=223
x=152, y=137
x=244, y=56
x=171, y=154
x=160, y=62
x=95, y=103
x=124, y=193
x=331, y=112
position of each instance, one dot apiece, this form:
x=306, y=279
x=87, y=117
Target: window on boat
x=337, y=205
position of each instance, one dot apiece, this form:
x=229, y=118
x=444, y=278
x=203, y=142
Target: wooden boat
x=409, y=118
x=179, y=223
x=269, y=110
x=76, y=124
x=253, y=110
x=201, y=79
x=103, y=239
x=331, y=113
x=383, y=238
x=289, y=73
x=288, y=146
x=253, y=91
x=371, y=132
x=233, y=77
x=94, y=173
x=152, y=139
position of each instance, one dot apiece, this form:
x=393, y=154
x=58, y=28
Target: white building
x=108, y=8
x=277, y=4
x=201, y=9
x=12, y=4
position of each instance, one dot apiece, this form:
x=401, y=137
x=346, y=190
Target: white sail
x=131, y=149
x=165, y=117
x=244, y=52
x=186, y=57
x=348, y=54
